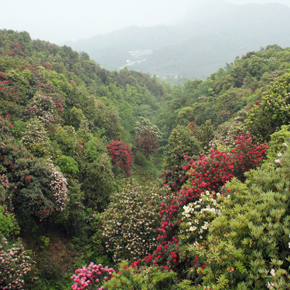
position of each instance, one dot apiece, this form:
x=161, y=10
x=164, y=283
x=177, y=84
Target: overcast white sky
x=62, y=20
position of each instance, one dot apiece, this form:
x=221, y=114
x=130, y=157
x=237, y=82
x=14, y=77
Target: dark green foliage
x=181, y=145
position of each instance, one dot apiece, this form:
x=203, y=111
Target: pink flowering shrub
x=93, y=275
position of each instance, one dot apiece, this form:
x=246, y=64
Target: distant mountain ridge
x=212, y=34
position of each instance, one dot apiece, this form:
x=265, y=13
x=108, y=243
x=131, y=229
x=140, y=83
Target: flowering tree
x=36, y=140
x=121, y=155
x=147, y=136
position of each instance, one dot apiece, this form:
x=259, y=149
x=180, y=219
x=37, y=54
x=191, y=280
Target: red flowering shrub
x=121, y=155
x=246, y=154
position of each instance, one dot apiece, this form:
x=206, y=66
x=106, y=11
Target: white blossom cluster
x=35, y=134
x=131, y=222
x=197, y=216
x=58, y=185
x=43, y=107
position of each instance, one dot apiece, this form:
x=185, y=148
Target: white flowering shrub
x=130, y=224
x=197, y=216
x=46, y=107
x=58, y=185
x=15, y=265
x=36, y=140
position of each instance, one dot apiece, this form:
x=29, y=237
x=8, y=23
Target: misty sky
x=62, y=20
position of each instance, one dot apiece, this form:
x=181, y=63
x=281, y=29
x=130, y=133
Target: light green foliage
x=8, y=223
x=76, y=117
x=185, y=116
x=131, y=221
x=181, y=144
x=67, y=165
x=45, y=242
x=98, y=182
x=93, y=148
x=66, y=140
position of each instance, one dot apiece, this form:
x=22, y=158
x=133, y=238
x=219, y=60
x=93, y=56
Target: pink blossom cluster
x=93, y=274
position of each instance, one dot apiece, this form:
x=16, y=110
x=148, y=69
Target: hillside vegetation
x=212, y=34
x=115, y=180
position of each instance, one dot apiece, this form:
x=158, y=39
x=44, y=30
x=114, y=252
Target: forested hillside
x=212, y=34
x=114, y=180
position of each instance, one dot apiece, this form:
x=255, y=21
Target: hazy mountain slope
x=212, y=34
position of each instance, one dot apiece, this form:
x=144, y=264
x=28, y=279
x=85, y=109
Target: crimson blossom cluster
x=121, y=155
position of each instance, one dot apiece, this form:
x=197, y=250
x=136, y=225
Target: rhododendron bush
x=130, y=223
x=251, y=234
x=91, y=277
x=147, y=136
x=121, y=155
x=197, y=216
x=16, y=265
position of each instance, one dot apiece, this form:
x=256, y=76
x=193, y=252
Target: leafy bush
x=181, y=144
x=197, y=217
x=147, y=278
x=273, y=111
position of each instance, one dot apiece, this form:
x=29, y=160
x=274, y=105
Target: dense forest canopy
x=115, y=180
